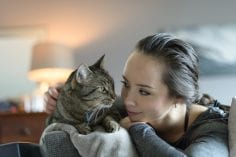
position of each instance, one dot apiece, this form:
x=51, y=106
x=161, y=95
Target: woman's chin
x=136, y=118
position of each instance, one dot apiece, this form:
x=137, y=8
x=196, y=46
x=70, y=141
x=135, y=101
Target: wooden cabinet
x=24, y=127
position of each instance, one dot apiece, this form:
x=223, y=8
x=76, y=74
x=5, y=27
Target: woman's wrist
x=127, y=123
x=140, y=126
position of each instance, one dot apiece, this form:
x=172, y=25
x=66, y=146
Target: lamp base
x=35, y=101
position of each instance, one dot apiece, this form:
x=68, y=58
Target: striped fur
x=86, y=99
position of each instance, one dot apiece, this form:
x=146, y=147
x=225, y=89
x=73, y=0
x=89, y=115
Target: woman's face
x=145, y=96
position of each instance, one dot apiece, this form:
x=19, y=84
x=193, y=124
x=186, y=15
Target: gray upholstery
x=58, y=144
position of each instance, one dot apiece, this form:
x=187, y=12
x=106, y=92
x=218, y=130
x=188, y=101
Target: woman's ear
x=179, y=100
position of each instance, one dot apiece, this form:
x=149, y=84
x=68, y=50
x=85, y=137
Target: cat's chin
x=108, y=103
x=102, y=106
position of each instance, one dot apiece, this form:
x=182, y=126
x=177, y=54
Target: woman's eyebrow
x=145, y=86
x=140, y=85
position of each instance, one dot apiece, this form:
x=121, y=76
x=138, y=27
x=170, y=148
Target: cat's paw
x=66, y=127
x=112, y=126
x=84, y=129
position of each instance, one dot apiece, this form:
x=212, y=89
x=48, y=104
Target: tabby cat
x=85, y=100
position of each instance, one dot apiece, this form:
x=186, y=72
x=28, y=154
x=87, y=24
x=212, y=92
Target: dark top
x=206, y=137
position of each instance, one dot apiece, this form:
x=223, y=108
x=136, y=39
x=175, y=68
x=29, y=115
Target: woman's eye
x=125, y=84
x=143, y=92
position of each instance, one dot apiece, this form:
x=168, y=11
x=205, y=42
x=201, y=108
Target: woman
x=160, y=91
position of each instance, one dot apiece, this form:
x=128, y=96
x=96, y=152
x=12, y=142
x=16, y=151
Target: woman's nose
x=128, y=98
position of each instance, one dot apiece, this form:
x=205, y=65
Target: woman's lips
x=131, y=113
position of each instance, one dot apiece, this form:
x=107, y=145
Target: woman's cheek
x=123, y=92
x=152, y=107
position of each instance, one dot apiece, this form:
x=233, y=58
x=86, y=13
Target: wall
x=113, y=27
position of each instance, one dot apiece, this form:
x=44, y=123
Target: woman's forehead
x=143, y=67
x=144, y=62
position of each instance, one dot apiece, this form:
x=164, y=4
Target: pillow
x=232, y=128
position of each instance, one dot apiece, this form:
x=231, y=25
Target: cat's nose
x=113, y=96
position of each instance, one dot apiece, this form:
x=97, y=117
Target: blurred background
x=88, y=29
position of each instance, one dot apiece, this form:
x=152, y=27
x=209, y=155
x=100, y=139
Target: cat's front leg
x=110, y=124
x=83, y=128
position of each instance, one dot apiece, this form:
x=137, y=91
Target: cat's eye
x=102, y=89
x=143, y=92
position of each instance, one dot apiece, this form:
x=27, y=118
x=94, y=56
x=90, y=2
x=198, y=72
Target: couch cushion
x=232, y=128
x=17, y=149
x=58, y=144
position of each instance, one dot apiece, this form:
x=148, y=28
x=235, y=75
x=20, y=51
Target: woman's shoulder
x=209, y=121
x=212, y=113
x=208, y=115
x=196, y=111
x=204, y=122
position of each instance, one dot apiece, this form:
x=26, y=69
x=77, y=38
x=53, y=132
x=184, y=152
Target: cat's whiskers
x=96, y=115
x=90, y=117
x=93, y=114
x=100, y=108
x=97, y=112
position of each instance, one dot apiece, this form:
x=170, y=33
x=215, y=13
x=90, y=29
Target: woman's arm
x=209, y=142
x=149, y=144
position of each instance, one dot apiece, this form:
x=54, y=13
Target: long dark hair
x=181, y=62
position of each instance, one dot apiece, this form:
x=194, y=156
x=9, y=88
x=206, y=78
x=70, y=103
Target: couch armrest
x=20, y=149
x=58, y=144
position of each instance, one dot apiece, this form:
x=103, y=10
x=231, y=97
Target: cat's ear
x=100, y=62
x=82, y=73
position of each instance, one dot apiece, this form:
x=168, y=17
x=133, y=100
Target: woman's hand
x=50, y=99
x=127, y=123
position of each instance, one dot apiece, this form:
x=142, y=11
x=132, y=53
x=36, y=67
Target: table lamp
x=51, y=64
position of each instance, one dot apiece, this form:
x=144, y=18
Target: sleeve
x=149, y=144
x=211, y=140
x=210, y=143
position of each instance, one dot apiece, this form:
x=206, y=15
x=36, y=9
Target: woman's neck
x=171, y=126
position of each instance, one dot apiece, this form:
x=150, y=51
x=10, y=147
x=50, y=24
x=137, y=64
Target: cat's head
x=93, y=84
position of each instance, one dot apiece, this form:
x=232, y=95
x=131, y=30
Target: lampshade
x=51, y=63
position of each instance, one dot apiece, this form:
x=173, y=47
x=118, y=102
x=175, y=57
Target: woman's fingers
x=49, y=109
x=53, y=92
x=50, y=100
